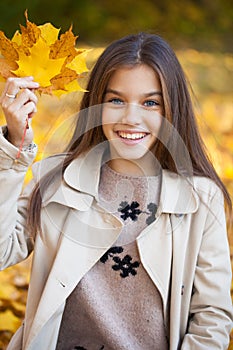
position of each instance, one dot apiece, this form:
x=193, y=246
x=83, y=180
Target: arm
x=211, y=306
x=15, y=241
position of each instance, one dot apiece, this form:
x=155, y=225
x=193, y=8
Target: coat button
x=179, y=215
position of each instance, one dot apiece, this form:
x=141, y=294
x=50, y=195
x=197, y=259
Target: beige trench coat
x=184, y=251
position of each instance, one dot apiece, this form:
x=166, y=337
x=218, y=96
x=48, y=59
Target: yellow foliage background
x=211, y=79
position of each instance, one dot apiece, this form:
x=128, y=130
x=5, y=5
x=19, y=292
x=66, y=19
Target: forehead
x=131, y=77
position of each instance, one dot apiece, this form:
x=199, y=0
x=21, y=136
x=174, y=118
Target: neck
x=139, y=167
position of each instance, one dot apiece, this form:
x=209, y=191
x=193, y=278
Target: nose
x=132, y=114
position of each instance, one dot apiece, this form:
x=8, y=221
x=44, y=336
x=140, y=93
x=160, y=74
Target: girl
x=128, y=226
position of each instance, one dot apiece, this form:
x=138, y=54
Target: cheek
x=105, y=118
x=110, y=117
x=105, y=129
x=107, y=123
x=155, y=124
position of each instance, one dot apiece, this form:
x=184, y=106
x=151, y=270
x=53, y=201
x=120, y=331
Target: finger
x=22, y=83
x=21, y=98
x=28, y=110
x=14, y=85
x=26, y=95
x=16, y=118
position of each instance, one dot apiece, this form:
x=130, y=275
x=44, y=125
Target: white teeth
x=131, y=136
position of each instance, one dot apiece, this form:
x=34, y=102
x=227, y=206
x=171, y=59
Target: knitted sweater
x=116, y=305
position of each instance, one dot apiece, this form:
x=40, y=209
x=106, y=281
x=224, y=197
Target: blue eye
x=151, y=103
x=116, y=101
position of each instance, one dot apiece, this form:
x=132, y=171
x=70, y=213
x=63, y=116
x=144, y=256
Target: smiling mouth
x=131, y=136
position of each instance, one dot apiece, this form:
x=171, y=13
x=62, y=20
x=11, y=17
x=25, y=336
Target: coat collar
x=83, y=173
x=178, y=194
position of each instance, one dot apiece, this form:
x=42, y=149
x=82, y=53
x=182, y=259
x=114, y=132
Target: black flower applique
x=125, y=264
x=110, y=253
x=152, y=207
x=129, y=210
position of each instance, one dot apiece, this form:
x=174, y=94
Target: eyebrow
x=148, y=94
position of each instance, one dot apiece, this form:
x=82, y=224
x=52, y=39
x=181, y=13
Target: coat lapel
x=156, y=243
x=155, y=248
x=81, y=245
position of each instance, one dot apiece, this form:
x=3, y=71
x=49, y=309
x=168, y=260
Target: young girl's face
x=132, y=112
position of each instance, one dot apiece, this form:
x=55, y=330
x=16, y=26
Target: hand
x=18, y=102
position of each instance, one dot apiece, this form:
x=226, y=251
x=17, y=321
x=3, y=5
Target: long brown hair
x=132, y=50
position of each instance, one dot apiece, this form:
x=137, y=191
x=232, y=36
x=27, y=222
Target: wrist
x=17, y=142
x=26, y=148
x=29, y=148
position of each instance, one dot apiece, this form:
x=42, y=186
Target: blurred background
x=201, y=33
x=201, y=24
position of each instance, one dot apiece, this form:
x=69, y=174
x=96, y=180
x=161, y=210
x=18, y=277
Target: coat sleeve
x=211, y=306
x=15, y=241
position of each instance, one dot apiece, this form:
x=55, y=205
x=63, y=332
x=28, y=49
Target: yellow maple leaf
x=72, y=86
x=17, y=38
x=78, y=64
x=39, y=52
x=49, y=33
x=38, y=64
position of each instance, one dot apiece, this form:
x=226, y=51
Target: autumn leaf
x=8, y=48
x=9, y=321
x=30, y=33
x=6, y=68
x=74, y=86
x=64, y=47
x=78, y=64
x=17, y=38
x=38, y=51
x=38, y=64
x=68, y=88
x=49, y=33
x=61, y=47
x=2, y=80
x=66, y=76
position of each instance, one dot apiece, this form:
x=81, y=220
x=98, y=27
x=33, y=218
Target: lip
x=131, y=137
